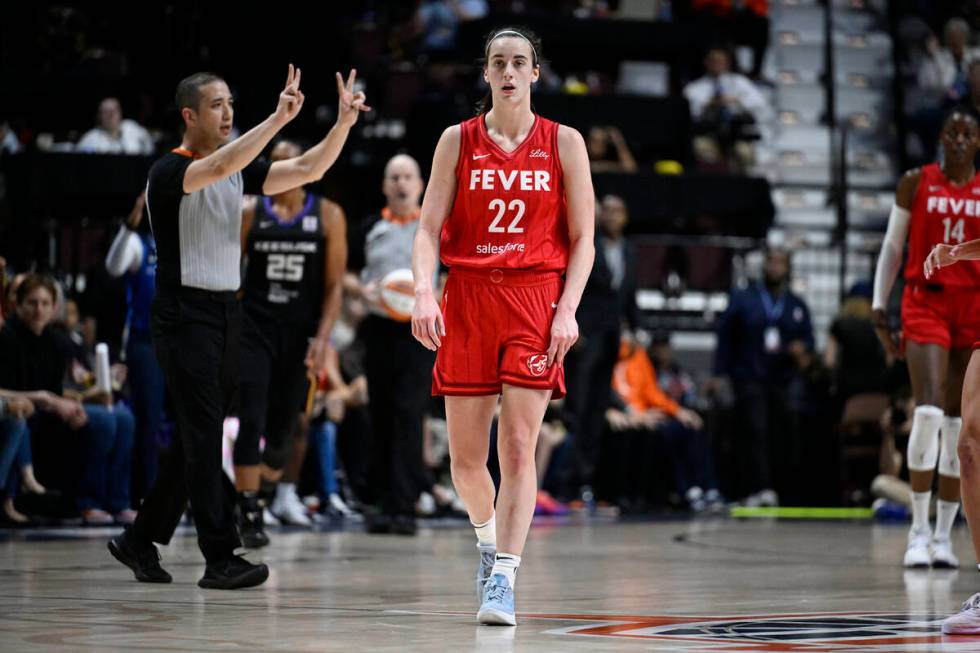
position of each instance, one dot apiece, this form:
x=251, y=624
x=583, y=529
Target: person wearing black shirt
x=765, y=338
x=608, y=303
x=194, y=199
x=296, y=252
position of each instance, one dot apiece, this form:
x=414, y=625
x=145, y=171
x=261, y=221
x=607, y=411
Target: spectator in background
x=645, y=406
x=16, y=463
x=133, y=257
x=942, y=73
x=673, y=379
x=972, y=96
x=609, y=300
x=744, y=22
x=608, y=151
x=853, y=352
x=334, y=396
x=438, y=21
x=34, y=360
x=764, y=338
x=725, y=107
x=115, y=135
x=398, y=370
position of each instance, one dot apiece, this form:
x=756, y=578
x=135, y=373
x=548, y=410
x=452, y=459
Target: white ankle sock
x=486, y=533
x=507, y=564
x=920, y=511
x=945, y=516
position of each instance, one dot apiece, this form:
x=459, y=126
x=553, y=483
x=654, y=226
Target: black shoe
x=233, y=573
x=403, y=525
x=377, y=523
x=143, y=559
x=250, y=525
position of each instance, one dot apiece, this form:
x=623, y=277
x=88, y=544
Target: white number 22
x=500, y=207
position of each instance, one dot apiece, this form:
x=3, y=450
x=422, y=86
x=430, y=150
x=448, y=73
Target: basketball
x=398, y=294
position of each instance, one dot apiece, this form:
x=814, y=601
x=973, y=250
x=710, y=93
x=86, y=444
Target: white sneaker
x=768, y=498
x=941, y=551
x=426, y=505
x=966, y=621
x=289, y=509
x=337, y=504
x=762, y=499
x=268, y=519
x=917, y=553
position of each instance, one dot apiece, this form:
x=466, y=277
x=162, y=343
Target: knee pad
x=949, y=460
x=923, y=450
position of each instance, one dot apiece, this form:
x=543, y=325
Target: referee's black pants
x=197, y=337
x=399, y=376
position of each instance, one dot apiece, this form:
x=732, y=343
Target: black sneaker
x=233, y=573
x=250, y=525
x=403, y=525
x=377, y=523
x=143, y=559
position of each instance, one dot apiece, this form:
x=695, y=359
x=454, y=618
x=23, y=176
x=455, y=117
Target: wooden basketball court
x=586, y=585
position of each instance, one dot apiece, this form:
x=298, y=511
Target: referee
x=194, y=200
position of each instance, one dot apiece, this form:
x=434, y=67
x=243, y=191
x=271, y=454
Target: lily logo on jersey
x=538, y=153
x=537, y=363
x=480, y=156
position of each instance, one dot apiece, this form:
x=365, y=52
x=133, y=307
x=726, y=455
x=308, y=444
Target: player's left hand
x=316, y=356
x=564, y=333
x=940, y=257
x=351, y=102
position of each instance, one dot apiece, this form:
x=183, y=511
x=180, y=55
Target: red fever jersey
x=509, y=210
x=943, y=213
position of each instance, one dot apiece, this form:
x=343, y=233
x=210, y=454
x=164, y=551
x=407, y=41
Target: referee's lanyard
x=771, y=340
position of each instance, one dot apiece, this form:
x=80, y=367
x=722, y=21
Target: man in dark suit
x=609, y=300
x=765, y=340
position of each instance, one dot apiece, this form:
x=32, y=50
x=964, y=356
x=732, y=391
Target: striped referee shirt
x=198, y=235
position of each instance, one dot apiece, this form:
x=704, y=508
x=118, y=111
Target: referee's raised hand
x=291, y=98
x=351, y=103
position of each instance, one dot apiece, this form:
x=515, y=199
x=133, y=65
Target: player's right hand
x=291, y=98
x=890, y=340
x=941, y=256
x=428, y=326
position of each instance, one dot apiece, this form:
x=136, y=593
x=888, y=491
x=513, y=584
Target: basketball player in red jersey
x=940, y=322
x=510, y=208
x=944, y=254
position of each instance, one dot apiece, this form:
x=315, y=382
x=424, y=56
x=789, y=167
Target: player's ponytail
x=486, y=102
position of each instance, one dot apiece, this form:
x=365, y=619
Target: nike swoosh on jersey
x=480, y=156
x=554, y=305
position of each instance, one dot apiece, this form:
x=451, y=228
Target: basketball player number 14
x=953, y=230
x=515, y=206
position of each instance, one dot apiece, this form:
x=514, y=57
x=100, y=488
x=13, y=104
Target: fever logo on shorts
x=537, y=363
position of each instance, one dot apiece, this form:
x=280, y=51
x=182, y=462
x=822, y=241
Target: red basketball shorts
x=498, y=328
x=948, y=317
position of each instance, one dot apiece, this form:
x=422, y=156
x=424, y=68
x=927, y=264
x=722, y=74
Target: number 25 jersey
x=509, y=210
x=943, y=212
